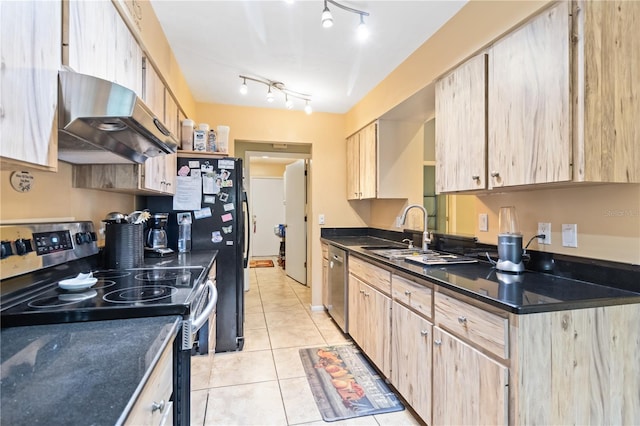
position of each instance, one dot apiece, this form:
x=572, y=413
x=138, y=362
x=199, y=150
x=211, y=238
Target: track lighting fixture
x=327, y=18
x=276, y=85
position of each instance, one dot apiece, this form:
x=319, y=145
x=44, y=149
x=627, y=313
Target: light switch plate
x=321, y=219
x=483, y=222
x=569, y=235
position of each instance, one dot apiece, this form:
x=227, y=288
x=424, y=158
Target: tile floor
x=265, y=383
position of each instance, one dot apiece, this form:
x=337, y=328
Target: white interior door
x=296, y=232
x=267, y=210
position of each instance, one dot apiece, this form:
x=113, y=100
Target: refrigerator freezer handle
x=247, y=229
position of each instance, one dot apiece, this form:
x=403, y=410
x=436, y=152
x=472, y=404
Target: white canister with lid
x=186, y=137
x=204, y=127
x=223, y=139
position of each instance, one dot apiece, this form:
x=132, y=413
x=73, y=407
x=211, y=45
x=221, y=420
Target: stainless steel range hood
x=101, y=122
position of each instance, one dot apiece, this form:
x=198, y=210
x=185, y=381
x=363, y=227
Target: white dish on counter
x=81, y=282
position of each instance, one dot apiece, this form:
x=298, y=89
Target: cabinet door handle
x=361, y=291
x=437, y=342
x=424, y=333
x=462, y=320
x=475, y=177
x=495, y=174
x=366, y=294
x=157, y=406
x=407, y=293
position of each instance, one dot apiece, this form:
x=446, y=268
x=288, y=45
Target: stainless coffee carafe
x=156, y=234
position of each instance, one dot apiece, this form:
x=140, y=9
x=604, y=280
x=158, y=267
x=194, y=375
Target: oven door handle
x=211, y=305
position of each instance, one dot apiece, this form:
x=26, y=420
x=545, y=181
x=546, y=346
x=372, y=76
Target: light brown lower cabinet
x=370, y=322
x=153, y=405
x=411, y=354
x=468, y=387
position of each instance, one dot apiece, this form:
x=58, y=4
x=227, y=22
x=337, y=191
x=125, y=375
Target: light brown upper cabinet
x=30, y=52
x=561, y=103
x=607, y=91
x=362, y=149
x=97, y=42
x=461, y=111
x=383, y=159
x=529, y=118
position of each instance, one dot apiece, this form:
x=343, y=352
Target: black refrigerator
x=211, y=192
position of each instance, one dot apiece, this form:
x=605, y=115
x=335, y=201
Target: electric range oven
x=41, y=263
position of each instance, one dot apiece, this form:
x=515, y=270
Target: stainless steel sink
x=416, y=255
x=394, y=252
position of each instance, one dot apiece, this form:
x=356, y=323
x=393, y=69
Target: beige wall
x=267, y=170
x=53, y=197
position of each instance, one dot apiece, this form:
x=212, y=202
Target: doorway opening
x=276, y=181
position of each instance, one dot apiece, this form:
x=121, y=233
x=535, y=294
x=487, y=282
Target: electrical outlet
x=544, y=228
x=483, y=222
x=569, y=235
x=321, y=219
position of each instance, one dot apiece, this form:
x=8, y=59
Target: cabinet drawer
x=488, y=330
x=155, y=394
x=412, y=294
x=376, y=277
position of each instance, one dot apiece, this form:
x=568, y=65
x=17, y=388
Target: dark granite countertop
x=78, y=373
x=526, y=293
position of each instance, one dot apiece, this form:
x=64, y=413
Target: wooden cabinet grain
x=155, y=177
x=30, y=52
x=370, y=312
x=606, y=84
x=529, y=121
x=560, y=107
x=469, y=387
x=154, y=92
x=411, y=356
x=362, y=163
x=96, y=41
x=153, y=405
x=461, y=111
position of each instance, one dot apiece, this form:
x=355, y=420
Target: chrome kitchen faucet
x=425, y=234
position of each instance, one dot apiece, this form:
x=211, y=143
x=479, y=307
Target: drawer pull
x=366, y=294
x=407, y=293
x=462, y=320
x=361, y=291
x=437, y=342
x=495, y=174
x=475, y=177
x=157, y=406
x=424, y=332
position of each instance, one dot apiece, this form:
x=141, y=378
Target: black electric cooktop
x=116, y=294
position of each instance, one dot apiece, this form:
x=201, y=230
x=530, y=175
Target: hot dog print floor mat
x=345, y=385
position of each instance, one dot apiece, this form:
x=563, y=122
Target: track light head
x=307, y=108
x=327, y=19
x=243, y=87
x=270, y=95
x=288, y=102
x=363, y=30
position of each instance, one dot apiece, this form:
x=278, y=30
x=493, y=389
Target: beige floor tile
x=254, y=320
x=256, y=339
x=294, y=316
x=292, y=336
x=235, y=368
x=198, y=406
x=298, y=401
x=252, y=305
x=255, y=404
x=288, y=363
x=200, y=371
x=334, y=336
x=281, y=304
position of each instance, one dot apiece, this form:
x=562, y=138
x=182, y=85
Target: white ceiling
x=215, y=41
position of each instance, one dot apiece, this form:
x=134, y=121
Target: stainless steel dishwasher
x=338, y=300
